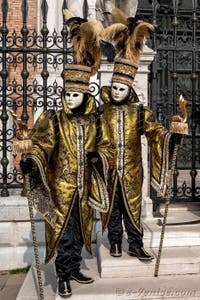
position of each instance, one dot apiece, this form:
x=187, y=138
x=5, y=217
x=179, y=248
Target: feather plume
x=87, y=40
x=118, y=16
x=117, y=34
x=113, y=31
x=68, y=14
x=141, y=31
x=128, y=35
x=136, y=41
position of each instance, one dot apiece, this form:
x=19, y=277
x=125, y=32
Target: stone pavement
x=126, y=278
x=10, y=285
x=170, y=287
x=179, y=287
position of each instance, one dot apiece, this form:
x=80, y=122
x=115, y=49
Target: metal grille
x=176, y=70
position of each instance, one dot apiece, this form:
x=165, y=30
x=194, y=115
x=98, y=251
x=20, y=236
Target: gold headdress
x=127, y=36
x=77, y=77
x=87, y=41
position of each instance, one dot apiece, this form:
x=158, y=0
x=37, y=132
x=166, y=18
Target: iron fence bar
x=194, y=78
x=85, y=9
x=4, y=114
x=154, y=71
x=44, y=32
x=35, y=50
x=24, y=73
x=174, y=80
x=64, y=34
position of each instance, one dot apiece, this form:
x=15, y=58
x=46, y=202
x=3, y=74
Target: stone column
x=141, y=87
x=76, y=6
x=129, y=7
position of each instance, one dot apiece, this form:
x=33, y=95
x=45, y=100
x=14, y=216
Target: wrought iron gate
x=176, y=70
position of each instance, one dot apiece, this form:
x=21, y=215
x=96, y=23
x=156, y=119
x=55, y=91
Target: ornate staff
x=23, y=144
x=178, y=125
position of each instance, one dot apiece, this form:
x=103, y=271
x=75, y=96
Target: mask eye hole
x=68, y=94
x=122, y=89
x=75, y=95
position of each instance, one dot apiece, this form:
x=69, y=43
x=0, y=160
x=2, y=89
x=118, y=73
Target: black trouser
x=70, y=246
x=115, y=229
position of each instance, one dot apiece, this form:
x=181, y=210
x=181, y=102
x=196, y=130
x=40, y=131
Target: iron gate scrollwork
x=176, y=70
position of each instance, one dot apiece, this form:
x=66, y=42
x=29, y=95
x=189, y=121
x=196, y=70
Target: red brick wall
x=15, y=22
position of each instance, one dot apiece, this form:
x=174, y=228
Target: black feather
x=132, y=23
x=75, y=20
x=74, y=32
x=138, y=46
x=108, y=50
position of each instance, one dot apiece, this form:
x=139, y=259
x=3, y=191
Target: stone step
x=182, y=206
x=184, y=287
x=141, y=288
x=175, y=236
x=174, y=261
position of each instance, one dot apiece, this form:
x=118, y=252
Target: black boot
x=64, y=288
x=140, y=253
x=116, y=250
x=80, y=277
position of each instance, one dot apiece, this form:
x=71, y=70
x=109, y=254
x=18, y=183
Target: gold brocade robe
x=64, y=170
x=124, y=122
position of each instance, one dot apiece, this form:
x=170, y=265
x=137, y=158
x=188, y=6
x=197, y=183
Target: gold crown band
x=77, y=77
x=124, y=71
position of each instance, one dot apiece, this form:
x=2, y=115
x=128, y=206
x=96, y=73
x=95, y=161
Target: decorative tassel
x=22, y=146
x=22, y=143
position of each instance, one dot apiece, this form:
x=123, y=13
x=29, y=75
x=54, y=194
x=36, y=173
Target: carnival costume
x=127, y=121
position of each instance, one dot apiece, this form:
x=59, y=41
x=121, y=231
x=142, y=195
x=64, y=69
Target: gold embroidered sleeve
x=43, y=137
x=158, y=139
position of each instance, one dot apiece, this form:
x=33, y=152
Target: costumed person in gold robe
x=127, y=120
x=64, y=181
x=59, y=165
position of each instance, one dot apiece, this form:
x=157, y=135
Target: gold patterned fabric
x=125, y=137
x=77, y=77
x=65, y=171
x=124, y=71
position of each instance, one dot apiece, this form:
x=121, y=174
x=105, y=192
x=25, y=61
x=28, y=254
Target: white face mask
x=74, y=99
x=119, y=91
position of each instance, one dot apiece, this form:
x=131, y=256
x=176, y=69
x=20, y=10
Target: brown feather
x=118, y=16
x=87, y=45
x=142, y=30
x=99, y=29
x=86, y=39
x=136, y=41
x=68, y=14
x=111, y=32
